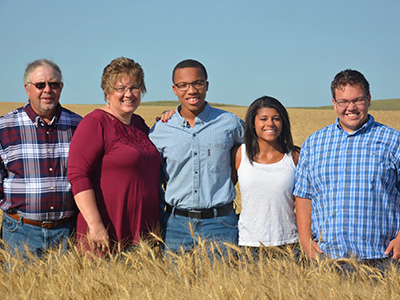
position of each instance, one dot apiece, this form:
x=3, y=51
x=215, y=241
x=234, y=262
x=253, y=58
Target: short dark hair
x=189, y=63
x=349, y=77
x=250, y=137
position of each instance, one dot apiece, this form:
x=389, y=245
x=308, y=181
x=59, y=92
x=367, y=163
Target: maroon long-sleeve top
x=121, y=165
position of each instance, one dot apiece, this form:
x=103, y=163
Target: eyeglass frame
x=47, y=83
x=191, y=84
x=354, y=101
x=130, y=88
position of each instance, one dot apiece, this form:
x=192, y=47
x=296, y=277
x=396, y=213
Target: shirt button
x=345, y=170
x=344, y=188
x=50, y=169
x=52, y=187
x=47, y=132
x=194, y=134
x=195, y=191
x=195, y=172
x=48, y=150
x=195, y=153
x=51, y=207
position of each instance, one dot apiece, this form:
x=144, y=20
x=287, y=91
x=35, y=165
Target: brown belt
x=43, y=224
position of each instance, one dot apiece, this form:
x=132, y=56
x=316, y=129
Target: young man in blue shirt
x=195, y=147
x=348, y=181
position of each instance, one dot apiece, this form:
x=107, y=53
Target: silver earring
x=108, y=103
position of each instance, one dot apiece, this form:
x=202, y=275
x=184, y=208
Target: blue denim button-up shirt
x=353, y=180
x=197, y=160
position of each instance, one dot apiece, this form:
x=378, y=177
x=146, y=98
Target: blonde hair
x=119, y=67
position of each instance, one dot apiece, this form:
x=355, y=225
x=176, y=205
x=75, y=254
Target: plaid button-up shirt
x=33, y=164
x=353, y=181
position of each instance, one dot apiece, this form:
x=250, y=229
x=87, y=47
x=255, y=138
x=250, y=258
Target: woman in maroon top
x=113, y=167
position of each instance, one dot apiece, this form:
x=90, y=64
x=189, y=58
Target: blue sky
x=290, y=50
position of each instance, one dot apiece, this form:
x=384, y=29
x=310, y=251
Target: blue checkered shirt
x=353, y=181
x=197, y=160
x=33, y=164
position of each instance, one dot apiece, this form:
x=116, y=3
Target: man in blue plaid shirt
x=347, y=184
x=35, y=195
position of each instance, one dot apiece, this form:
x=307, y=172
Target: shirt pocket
x=380, y=165
x=218, y=157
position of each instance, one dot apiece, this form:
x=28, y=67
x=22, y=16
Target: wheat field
x=146, y=274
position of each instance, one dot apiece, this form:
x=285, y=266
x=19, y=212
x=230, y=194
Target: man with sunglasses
x=347, y=184
x=195, y=147
x=35, y=195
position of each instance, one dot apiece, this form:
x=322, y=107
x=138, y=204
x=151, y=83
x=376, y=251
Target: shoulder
x=68, y=114
x=227, y=120
x=171, y=125
x=12, y=118
x=94, y=119
x=320, y=134
x=386, y=129
x=224, y=114
x=139, y=123
x=12, y=114
x=387, y=136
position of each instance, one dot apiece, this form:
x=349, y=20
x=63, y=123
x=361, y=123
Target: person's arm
x=86, y=149
x=296, y=155
x=3, y=174
x=236, y=157
x=87, y=205
x=303, y=215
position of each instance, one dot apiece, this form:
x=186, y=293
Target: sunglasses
x=42, y=85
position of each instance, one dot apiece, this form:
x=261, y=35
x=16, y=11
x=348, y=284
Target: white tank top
x=267, y=202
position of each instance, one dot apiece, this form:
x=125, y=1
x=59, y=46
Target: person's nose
x=191, y=89
x=351, y=106
x=47, y=88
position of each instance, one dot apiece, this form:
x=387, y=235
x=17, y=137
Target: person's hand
x=311, y=249
x=166, y=115
x=99, y=238
x=394, y=247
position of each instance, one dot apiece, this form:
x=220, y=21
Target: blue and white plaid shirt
x=353, y=180
x=197, y=160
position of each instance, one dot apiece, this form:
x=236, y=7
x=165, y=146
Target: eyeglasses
x=42, y=85
x=360, y=101
x=184, y=86
x=133, y=89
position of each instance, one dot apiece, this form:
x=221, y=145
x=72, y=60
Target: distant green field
x=390, y=104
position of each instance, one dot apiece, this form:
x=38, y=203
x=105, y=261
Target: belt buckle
x=194, y=214
x=49, y=223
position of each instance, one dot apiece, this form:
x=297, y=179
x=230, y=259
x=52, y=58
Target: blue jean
x=17, y=236
x=177, y=233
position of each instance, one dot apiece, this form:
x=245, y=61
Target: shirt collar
x=201, y=117
x=37, y=120
x=363, y=128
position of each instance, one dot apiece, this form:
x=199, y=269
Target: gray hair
x=40, y=63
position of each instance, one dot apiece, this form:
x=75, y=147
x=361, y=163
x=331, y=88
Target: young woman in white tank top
x=265, y=166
